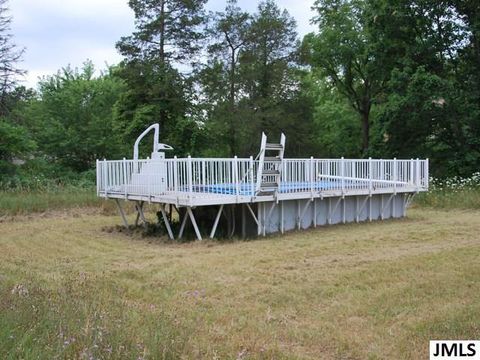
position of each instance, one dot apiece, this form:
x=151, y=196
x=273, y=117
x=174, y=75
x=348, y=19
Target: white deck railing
x=211, y=177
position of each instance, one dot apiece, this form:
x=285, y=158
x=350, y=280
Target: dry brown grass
x=376, y=290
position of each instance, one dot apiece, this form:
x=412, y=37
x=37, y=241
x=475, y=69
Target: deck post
x=122, y=214
x=175, y=174
x=370, y=176
x=264, y=218
x=311, y=177
x=342, y=174
x=244, y=225
x=282, y=225
x=215, y=224
x=98, y=177
x=411, y=180
x=395, y=175
x=235, y=176
x=329, y=217
x=370, y=208
x=125, y=177
x=304, y=211
x=204, y=175
x=314, y=212
x=427, y=174
x=356, y=209
x=182, y=226
x=298, y=214
x=167, y=223
x=259, y=216
x=252, y=181
x=140, y=214
x=253, y=215
x=105, y=177
x=394, y=196
x=417, y=178
x=189, y=175
x=381, y=206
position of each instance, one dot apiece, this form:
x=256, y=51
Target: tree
x=73, y=117
x=343, y=51
x=167, y=32
x=10, y=55
x=271, y=78
x=430, y=104
x=229, y=37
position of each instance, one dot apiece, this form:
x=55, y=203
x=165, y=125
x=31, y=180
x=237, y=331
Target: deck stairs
x=269, y=170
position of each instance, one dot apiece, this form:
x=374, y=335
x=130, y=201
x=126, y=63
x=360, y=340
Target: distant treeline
x=380, y=78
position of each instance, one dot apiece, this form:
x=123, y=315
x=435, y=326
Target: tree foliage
x=382, y=78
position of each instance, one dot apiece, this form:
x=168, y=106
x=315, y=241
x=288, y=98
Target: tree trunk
x=365, y=131
x=232, y=104
x=162, y=95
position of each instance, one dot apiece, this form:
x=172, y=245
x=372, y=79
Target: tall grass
x=452, y=193
x=86, y=317
x=16, y=202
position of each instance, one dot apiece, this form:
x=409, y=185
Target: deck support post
x=329, y=217
x=264, y=218
x=189, y=214
x=384, y=207
x=362, y=207
x=282, y=225
x=122, y=213
x=304, y=211
x=215, y=224
x=314, y=212
x=268, y=216
x=194, y=223
x=244, y=224
x=166, y=221
x=330, y=211
x=381, y=206
x=140, y=214
x=370, y=207
x=393, y=204
x=182, y=226
x=254, y=217
x=356, y=209
x=343, y=209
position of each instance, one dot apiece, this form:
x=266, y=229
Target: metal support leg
x=282, y=225
x=244, y=223
x=369, y=207
x=182, y=226
x=194, y=223
x=166, y=221
x=122, y=214
x=140, y=214
x=215, y=224
x=264, y=218
x=304, y=211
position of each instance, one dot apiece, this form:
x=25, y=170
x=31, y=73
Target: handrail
x=156, y=137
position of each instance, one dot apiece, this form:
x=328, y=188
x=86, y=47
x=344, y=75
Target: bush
x=454, y=192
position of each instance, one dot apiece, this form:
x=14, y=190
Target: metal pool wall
x=278, y=217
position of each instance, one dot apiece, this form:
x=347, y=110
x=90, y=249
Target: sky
x=57, y=33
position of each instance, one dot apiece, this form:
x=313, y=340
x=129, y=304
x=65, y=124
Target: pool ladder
x=270, y=166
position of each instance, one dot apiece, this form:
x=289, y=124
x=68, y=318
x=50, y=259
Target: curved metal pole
x=156, y=136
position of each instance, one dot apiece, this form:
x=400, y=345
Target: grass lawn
x=71, y=289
